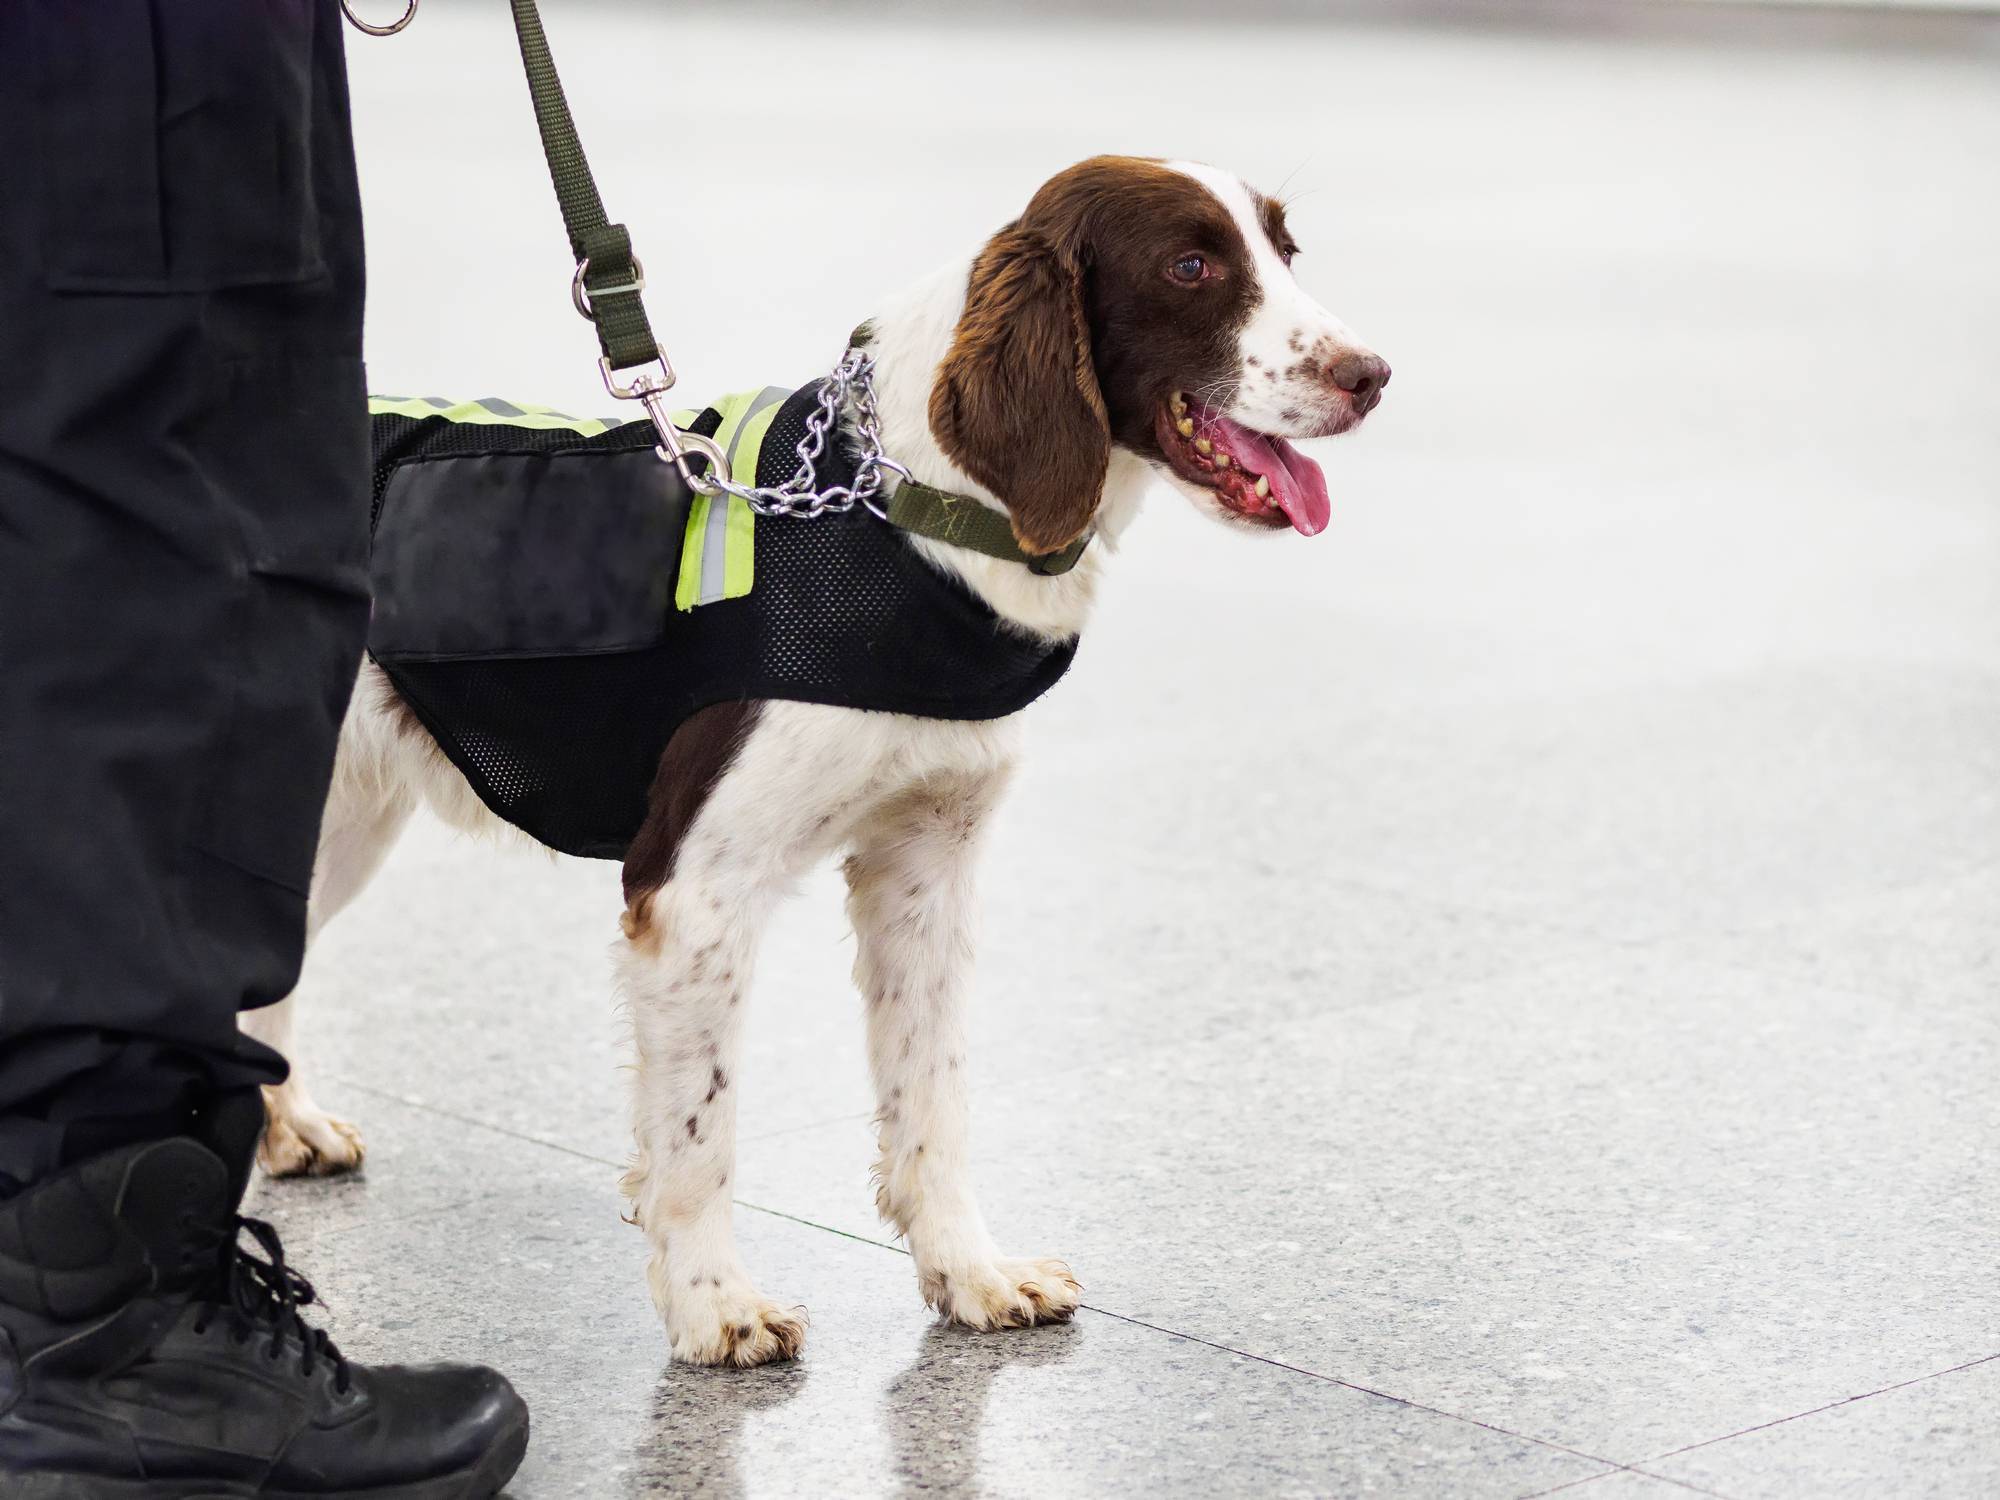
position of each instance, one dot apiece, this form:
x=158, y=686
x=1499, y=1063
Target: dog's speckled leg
x=685, y=976
x=780, y=801
x=911, y=897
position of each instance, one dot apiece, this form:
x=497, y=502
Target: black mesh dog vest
x=524, y=578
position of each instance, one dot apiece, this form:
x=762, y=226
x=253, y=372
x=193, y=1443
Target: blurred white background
x=1695, y=349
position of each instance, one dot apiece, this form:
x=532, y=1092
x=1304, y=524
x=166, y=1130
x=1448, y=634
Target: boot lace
x=264, y=1295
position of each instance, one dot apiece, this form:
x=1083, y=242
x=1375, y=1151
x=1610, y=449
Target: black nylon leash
x=609, y=277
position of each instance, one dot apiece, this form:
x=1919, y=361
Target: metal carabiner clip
x=675, y=446
x=409, y=15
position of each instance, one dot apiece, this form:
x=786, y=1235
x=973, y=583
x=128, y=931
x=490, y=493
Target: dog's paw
x=306, y=1143
x=1004, y=1293
x=725, y=1325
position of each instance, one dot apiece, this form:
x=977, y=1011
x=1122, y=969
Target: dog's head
x=1150, y=305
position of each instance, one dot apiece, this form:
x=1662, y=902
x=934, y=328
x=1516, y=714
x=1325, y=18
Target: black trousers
x=183, y=542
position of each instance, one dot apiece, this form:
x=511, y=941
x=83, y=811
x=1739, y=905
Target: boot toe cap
x=401, y=1424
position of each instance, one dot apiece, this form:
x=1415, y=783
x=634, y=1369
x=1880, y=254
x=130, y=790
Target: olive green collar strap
x=960, y=521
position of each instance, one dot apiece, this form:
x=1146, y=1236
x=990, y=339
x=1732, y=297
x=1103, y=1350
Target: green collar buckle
x=960, y=521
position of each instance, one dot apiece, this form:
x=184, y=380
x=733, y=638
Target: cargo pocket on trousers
x=297, y=493
x=178, y=154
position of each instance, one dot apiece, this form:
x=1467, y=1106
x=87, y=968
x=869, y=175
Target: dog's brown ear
x=1016, y=403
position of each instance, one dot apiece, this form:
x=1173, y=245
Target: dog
x=1139, y=321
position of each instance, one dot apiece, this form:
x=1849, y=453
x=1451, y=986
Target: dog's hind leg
x=911, y=897
x=365, y=811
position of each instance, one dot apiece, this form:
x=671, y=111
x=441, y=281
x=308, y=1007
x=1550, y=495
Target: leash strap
x=963, y=522
x=609, y=277
x=606, y=290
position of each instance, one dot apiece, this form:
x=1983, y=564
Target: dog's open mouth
x=1264, y=479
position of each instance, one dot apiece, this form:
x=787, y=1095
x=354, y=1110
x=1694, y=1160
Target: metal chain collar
x=797, y=497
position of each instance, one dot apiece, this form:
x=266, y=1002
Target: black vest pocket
x=177, y=143
x=526, y=554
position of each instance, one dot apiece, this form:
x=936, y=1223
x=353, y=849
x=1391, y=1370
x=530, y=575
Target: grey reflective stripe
x=501, y=408
x=438, y=401
x=715, y=537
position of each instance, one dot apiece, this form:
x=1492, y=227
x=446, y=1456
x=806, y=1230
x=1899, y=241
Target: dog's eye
x=1189, y=269
x=1288, y=252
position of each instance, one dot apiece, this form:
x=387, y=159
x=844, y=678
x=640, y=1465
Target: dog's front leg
x=910, y=894
x=747, y=796
x=686, y=968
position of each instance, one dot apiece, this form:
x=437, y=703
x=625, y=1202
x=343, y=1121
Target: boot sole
x=482, y=1481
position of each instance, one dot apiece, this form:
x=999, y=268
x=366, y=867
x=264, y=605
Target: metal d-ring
x=409, y=15
x=873, y=501
x=579, y=294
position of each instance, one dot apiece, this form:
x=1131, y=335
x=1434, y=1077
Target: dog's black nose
x=1362, y=376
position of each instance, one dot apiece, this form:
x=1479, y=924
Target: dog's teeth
x=1203, y=445
x=1185, y=427
x=1263, y=485
x=1180, y=403
x=1222, y=460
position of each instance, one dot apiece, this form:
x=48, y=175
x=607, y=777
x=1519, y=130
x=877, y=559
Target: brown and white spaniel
x=1139, y=321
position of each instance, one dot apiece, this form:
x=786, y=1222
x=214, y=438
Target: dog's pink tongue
x=1297, y=484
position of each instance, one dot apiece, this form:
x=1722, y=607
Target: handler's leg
x=183, y=544
x=183, y=483
x=910, y=882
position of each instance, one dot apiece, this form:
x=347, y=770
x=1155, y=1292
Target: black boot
x=144, y=1352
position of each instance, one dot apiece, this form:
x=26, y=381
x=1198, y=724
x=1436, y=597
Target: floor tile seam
x=1570, y=1484
x=846, y=1234
x=1223, y=1348
x=1577, y=1484
x=310, y=1235
x=1970, y=1364
x=1358, y=1388
x=844, y=1118
x=1585, y=945
x=1227, y=1029
x=348, y=1081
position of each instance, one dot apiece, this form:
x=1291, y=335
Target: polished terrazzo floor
x=1499, y=998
